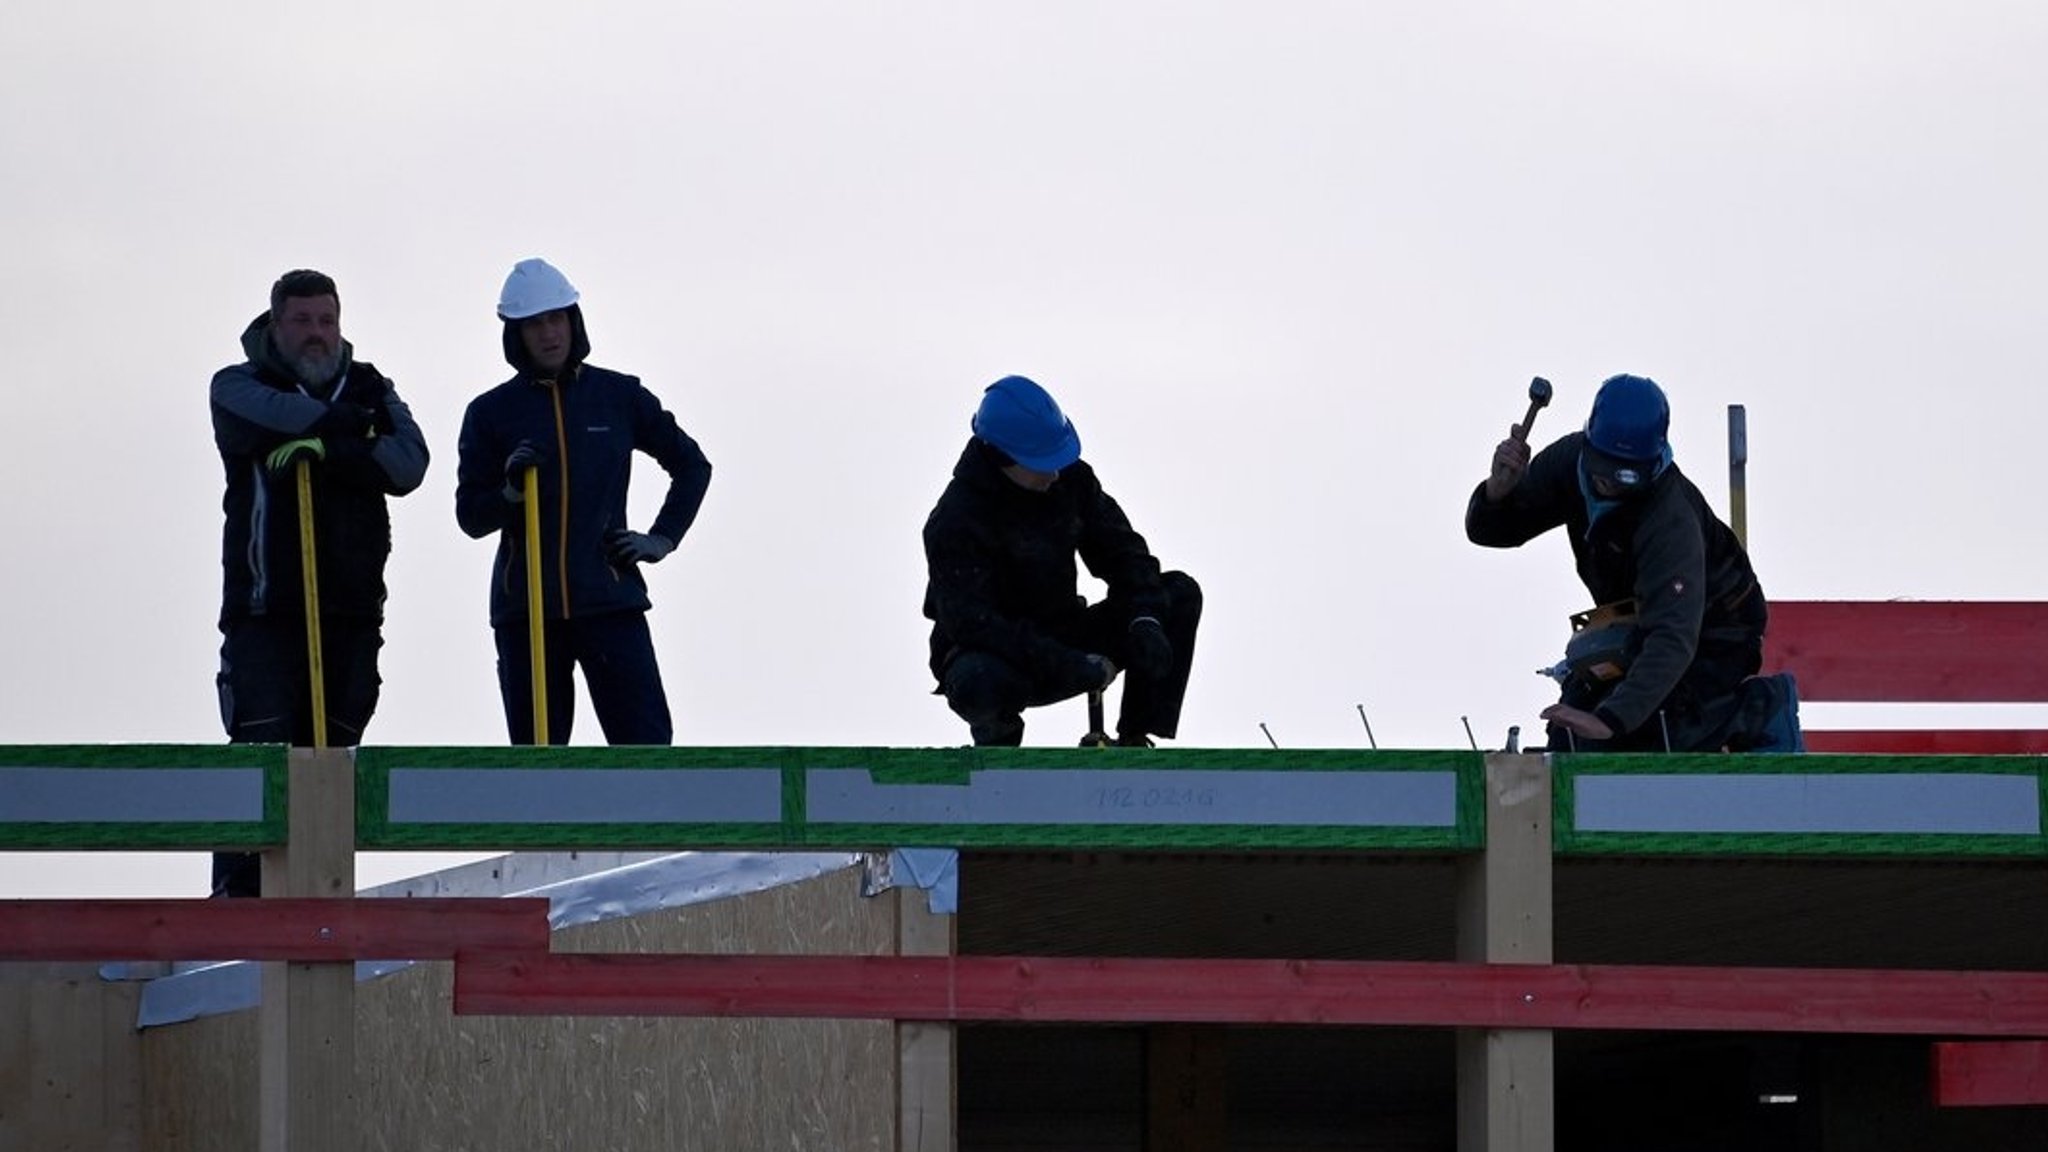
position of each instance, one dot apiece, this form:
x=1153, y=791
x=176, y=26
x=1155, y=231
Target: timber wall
x=431, y=1081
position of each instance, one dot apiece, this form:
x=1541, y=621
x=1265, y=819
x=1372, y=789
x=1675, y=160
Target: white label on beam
x=1125, y=796
x=1901, y=803
x=585, y=796
x=130, y=795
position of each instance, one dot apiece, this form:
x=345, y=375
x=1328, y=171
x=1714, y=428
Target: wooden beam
x=277, y=929
x=1507, y=1078
x=1990, y=1073
x=306, y=1023
x=1918, y=742
x=927, y=1060
x=1933, y=651
x=1316, y=992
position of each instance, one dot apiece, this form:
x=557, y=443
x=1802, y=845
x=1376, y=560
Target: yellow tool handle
x=536, y=625
x=311, y=568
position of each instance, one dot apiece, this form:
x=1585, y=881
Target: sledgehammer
x=1539, y=398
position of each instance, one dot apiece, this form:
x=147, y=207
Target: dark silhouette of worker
x=1009, y=627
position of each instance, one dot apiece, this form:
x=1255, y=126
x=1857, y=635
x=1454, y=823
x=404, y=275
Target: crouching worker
x=1009, y=628
x=1664, y=664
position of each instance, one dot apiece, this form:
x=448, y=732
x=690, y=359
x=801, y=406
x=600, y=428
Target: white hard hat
x=534, y=287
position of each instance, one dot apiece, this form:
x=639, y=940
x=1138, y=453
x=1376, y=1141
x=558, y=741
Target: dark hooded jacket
x=259, y=405
x=588, y=423
x=1664, y=548
x=1002, y=576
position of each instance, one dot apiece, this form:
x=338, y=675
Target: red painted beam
x=1931, y=742
x=1990, y=1072
x=286, y=929
x=1936, y=651
x=1104, y=990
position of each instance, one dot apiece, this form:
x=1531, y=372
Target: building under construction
x=1255, y=950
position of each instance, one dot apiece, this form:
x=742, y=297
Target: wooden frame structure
x=1497, y=815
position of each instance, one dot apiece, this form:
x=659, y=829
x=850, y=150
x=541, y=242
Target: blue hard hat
x=1625, y=435
x=1022, y=419
x=1631, y=420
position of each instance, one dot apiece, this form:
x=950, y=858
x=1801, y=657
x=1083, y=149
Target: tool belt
x=1604, y=643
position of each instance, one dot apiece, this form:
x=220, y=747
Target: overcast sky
x=1289, y=267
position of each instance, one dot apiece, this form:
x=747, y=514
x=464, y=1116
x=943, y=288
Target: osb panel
x=69, y=1060
x=432, y=1082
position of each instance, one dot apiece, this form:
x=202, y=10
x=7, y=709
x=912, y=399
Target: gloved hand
x=529, y=454
x=343, y=420
x=1149, y=651
x=291, y=452
x=628, y=547
x=1105, y=669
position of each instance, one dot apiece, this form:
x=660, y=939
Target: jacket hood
x=981, y=464
x=262, y=352
x=579, y=346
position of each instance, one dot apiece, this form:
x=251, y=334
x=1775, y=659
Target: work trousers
x=1698, y=714
x=615, y=651
x=991, y=693
x=266, y=695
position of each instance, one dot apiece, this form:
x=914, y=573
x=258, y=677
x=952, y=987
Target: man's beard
x=316, y=367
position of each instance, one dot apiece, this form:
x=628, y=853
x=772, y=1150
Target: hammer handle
x=1528, y=421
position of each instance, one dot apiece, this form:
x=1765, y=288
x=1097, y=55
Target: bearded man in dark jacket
x=1009, y=627
x=301, y=395
x=1689, y=611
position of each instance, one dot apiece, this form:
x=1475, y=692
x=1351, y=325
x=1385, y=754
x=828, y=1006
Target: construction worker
x=1009, y=628
x=301, y=395
x=1680, y=622
x=577, y=426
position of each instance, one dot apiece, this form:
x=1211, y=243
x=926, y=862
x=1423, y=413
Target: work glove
x=529, y=454
x=1102, y=670
x=291, y=452
x=629, y=547
x=1149, y=651
x=344, y=421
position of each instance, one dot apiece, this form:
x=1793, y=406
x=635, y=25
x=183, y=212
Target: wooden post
x=307, y=1022
x=1186, y=1092
x=1507, y=1077
x=926, y=1068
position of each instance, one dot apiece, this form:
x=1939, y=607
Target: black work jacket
x=1001, y=566
x=257, y=406
x=1663, y=548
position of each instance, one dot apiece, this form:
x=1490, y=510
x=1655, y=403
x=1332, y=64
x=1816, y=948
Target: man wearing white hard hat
x=1009, y=627
x=576, y=426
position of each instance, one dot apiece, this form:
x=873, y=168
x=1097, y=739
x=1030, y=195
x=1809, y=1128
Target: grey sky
x=1288, y=266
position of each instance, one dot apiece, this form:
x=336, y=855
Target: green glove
x=292, y=451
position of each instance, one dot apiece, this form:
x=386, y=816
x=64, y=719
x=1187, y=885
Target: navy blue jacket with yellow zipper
x=588, y=424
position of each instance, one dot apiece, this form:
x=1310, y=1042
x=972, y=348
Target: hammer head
x=1539, y=397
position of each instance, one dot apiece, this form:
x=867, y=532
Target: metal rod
x=1368, y=728
x=1269, y=734
x=1473, y=740
x=1738, y=473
